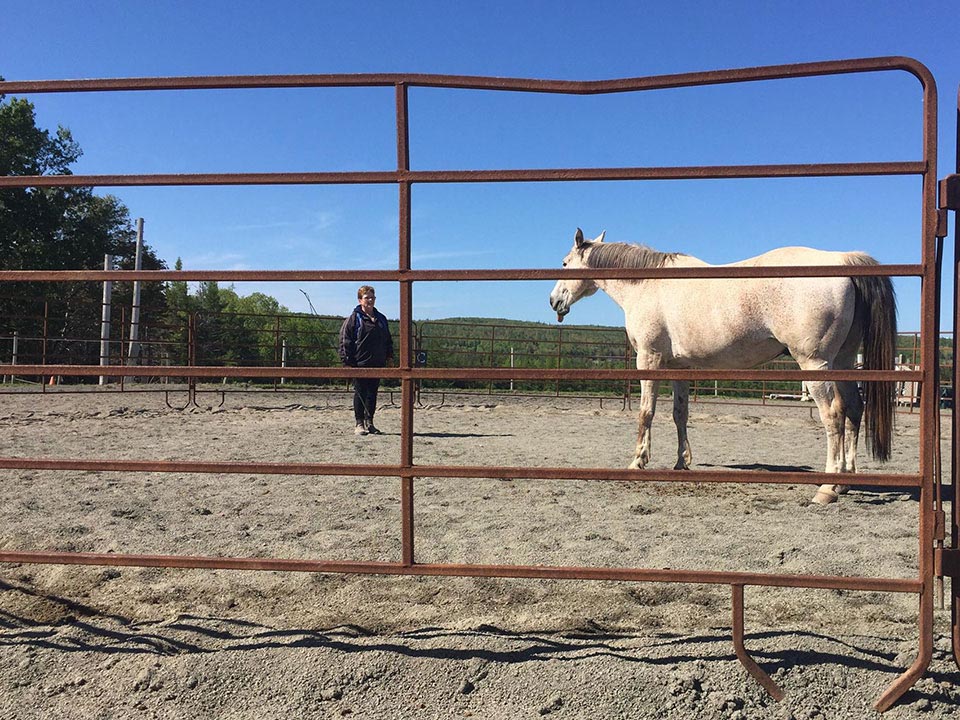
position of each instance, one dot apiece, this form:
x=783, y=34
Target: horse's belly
x=724, y=353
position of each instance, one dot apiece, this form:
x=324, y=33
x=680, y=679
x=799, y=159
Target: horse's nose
x=556, y=296
x=558, y=303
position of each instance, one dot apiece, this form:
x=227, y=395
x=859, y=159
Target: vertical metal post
x=559, y=354
x=929, y=405
x=133, y=354
x=955, y=415
x=46, y=330
x=493, y=333
x=758, y=673
x=192, y=357
x=278, y=349
x=122, y=344
x=406, y=327
x=105, y=319
x=15, y=356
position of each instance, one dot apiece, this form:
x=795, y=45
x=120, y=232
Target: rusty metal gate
x=933, y=559
x=948, y=559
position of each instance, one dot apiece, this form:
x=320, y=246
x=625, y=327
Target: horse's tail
x=876, y=313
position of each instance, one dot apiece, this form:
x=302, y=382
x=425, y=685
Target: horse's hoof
x=681, y=465
x=824, y=497
x=635, y=465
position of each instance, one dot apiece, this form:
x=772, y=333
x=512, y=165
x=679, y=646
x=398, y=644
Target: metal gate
x=931, y=519
x=948, y=559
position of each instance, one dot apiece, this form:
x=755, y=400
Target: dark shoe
x=372, y=430
x=360, y=430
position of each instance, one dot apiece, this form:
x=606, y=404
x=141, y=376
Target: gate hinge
x=950, y=192
x=939, y=525
x=946, y=562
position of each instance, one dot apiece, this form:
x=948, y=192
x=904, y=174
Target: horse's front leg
x=648, y=407
x=681, y=414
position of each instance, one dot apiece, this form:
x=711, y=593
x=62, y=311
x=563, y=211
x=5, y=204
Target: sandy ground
x=95, y=642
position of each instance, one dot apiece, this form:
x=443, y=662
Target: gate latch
x=950, y=193
x=946, y=563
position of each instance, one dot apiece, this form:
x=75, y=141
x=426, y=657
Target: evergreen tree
x=174, y=331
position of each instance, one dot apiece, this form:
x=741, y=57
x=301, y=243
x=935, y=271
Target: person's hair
x=364, y=289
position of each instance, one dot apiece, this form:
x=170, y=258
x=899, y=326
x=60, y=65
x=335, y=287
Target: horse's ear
x=578, y=238
x=600, y=236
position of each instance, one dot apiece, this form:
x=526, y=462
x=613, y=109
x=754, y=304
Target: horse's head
x=566, y=292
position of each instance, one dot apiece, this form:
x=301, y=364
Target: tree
x=257, y=318
x=59, y=229
x=174, y=330
x=210, y=331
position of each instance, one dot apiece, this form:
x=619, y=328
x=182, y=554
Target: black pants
x=365, y=399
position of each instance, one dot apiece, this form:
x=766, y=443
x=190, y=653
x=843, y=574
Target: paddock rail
x=406, y=469
x=947, y=559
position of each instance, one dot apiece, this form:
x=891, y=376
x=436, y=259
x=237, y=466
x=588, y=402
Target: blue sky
x=840, y=119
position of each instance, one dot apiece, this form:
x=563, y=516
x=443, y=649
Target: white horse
x=741, y=323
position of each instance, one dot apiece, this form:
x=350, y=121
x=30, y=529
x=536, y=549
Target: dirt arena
x=94, y=642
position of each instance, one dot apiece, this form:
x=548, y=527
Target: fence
x=408, y=374
x=947, y=560
x=245, y=339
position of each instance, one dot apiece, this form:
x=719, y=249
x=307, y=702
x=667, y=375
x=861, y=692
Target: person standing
x=365, y=341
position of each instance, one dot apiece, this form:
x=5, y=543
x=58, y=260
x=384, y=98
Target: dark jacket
x=365, y=342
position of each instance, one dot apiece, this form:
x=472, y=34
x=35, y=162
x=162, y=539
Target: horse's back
x=743, y=322
x=798, y=255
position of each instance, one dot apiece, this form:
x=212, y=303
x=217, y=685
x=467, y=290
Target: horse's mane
x=625, y=255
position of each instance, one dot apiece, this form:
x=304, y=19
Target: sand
x=100, y=642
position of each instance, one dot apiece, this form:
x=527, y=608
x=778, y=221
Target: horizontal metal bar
x=466, y=82
x=894, y=480
x=427, y=373
x=826, y=582
x=472, y=176
x=700, y=172
x=687, y=273
x=163, y=179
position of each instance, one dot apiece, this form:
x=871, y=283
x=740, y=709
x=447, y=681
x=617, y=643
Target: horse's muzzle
x=561, y=308
x=559, y=304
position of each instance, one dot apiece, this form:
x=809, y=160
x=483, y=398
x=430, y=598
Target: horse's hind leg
x=831, y=406
x=852, y=406
x=648, y=407
x=852, y=415
x=681, y=414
